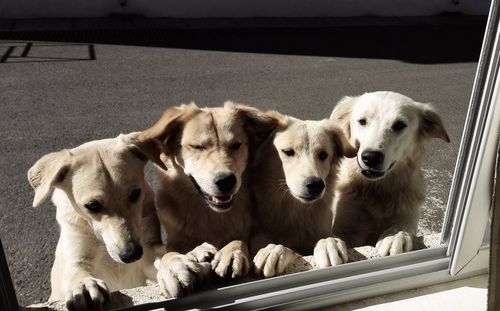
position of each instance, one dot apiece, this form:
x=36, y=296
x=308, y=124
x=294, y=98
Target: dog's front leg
x=393, y=241
x=329, y=252
x=81, y=290
x=232, y=260
x=178, y=274
x=203, y=253
x=273, y=259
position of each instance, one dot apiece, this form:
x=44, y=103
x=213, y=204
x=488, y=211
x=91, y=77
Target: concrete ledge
x=151, y=292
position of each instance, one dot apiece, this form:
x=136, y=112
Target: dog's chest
x=118, y=276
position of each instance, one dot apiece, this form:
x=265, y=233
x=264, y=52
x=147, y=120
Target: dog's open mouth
x=217, y=203
x=220, y=202
x=372, y=173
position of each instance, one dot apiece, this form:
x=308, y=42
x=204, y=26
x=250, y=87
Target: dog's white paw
x=87, y=294
x=231, y=262
x=273, y=259
x=330, y=252
x=203, y=253
x=393, y=244
x=178, y=274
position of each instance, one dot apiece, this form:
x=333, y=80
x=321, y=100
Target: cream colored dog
x=110, y=234
x=203, y=195
x=293, y=180
x=381, y=190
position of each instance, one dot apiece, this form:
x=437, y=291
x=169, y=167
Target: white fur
x=380, y=205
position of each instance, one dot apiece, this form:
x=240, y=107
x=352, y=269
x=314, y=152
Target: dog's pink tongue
x=221, y=200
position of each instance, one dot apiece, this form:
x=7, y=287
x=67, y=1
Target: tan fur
x=198, y=145
x=383, y=211
x=87, y=259
x=288, y=218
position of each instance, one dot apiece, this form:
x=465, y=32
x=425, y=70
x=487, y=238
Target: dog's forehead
x=386, y=106
x=304, y=135
x=107, y=161
x=214, y=123
x=317, y=134
x=294, y=133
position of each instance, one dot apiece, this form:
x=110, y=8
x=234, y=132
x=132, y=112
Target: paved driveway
x=58, y=90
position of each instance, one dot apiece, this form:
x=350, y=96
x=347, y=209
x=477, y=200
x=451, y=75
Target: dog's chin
x=219, y=204
x=308, y=200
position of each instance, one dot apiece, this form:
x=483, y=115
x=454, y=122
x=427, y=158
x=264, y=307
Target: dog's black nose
x=372, y=159
x=225, y=182
x=315, y=185
x=131, y=253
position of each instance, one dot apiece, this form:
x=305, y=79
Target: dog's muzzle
x=132, y=252
x=373, y=173
x=217, y=203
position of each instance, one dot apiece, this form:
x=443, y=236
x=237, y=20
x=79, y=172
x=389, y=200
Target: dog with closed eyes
x=110, y=234
x=293, y=179
x=380, y=192
x=203, y=201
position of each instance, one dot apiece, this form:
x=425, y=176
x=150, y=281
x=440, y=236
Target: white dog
x=110, y=234
x=293, y=180
x=380, y=191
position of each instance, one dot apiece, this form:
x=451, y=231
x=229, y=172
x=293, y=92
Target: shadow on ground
x=422, y=44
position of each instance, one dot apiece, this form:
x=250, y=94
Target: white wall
x=13, y=9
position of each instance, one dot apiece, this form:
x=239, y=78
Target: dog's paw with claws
x=203, y=253
x=87, y=294
x=330, y=252
x=273, y=259
x=178, y=274
x=232, y=260
x=394, y=243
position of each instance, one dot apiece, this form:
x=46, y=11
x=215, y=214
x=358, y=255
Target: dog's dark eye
x=362, y=121
x=398, y=126
x=198, y=147
x=94, y=207
x=235, y=146
x=323, y=155
x=289, y=152
x=134, y=195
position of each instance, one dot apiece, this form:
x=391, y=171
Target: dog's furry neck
x=275, y=205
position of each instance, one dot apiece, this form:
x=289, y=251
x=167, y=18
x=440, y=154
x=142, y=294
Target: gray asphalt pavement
x=60, y=89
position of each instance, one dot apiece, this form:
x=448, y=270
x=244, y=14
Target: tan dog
x=107, y=217
x=204, y=196
x=380, y=191
x=293, y=180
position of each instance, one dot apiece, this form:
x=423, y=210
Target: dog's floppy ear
x=160, y=139
x=342, y=147
x=132, y=144
x=431, y=125
x=258, y=125
x=342, y=114
x=47, y=172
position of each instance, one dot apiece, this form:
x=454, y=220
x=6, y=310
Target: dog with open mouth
x=203, y=201
x=379, y=192
x=293, y=179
